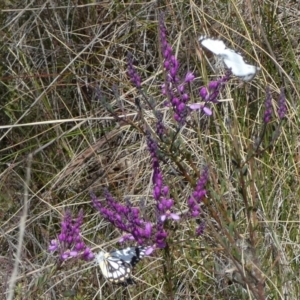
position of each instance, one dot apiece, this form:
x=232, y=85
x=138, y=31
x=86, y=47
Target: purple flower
x=169, y=215
x=87, y=254
x=195, y=199
x=132, y=73
x=200, y=229
x=150, y=249
x=126, y=237
x=125, y=217
x=164, y=205
x=211, y=93
x=161, y=236
x=200, y=106
x=204, y=93
x=189, y=77
x=160, y=127
x=268, y=105
x=282, y=104
x=172, y=88
x=53, y=246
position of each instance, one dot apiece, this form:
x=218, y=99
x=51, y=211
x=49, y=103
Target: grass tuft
x=53, y=58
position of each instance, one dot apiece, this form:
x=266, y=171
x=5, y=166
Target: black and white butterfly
x=116, y=266
x=231, y=59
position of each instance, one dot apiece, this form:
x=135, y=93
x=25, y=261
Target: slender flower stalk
x=173, y=88
x=200, y=229
x=160, y=127
x=282, y=104
x=132, y=73
x=160, y=193
x=195, y=200
x=136, y=81
x=268, y=106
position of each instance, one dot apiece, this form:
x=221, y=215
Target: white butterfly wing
x=244, y=71
x=112, y=268
x=236, y=63
x=215, y=46
x=232, y=56
x=116, y=266
x=231, y=59
x=130, y=255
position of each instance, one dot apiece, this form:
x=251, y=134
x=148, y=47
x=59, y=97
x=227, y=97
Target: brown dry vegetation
x=57, y=142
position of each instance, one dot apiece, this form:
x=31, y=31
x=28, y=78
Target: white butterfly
x=231, y=59
x=116, y=266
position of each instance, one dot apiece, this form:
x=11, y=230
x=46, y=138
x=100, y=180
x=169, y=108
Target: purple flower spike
x=195, y=200
x=124, y=217
x=160, y=127
x=161, y=236
x=164, y=206
x=132, y=73
x=69, y=242
x=173, y=88
x=282, y=104
x=200, y=229
x=268, y=105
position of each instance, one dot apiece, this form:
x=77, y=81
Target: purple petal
x=213, y=85
x=189, y=77
x=148, y=229
x=88, y=254
x=203, y=93
x=180, y=107
x=175, y=216
x=185, y=98
x=53, y=245
x=73, y=253
x=65, y=255
x=207, y=111
x=181, y=88
x=163, y=218
x=62, y=237
x=168, y=203
x=149, y=250
x=175, y=101
x=165, y=190
x=195, y=106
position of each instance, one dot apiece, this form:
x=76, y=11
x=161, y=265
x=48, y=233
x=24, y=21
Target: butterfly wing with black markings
x=116, y=266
